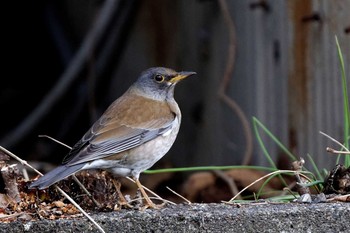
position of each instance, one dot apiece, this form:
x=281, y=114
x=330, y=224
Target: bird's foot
x=123, y=205
x=152, y=206
x=122, y=202
x=149, y=203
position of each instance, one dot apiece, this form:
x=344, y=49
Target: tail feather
x=55, y=175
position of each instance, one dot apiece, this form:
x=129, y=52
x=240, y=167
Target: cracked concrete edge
x=292, y=217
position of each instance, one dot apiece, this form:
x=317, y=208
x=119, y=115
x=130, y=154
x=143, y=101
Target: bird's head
x=159, y=82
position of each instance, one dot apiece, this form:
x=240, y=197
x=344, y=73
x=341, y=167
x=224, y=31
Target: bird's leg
x=122, y=201
x=144, y=194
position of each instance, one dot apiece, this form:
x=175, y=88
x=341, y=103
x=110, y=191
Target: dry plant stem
x=74, y=177
x=230, y=182
x=86, y=191
x=333, y=151
x=23, y=162
x=79, y=208
x=261, y=178
x=9, y=174
x=55, y=140
x=180, y=196
x=334, y=140
x=227, y=76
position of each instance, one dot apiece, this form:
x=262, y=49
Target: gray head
x=159, y=82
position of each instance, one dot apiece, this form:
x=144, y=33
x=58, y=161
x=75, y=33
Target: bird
x=135, y=131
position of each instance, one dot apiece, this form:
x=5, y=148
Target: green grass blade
x=312, y=183
x=261, y=143
x=284, y=198
x=345, y=95
x=208, y=168
x=314, y=166
x=346, y=106
x=278, y=142
x=256, y=122
x=263, y=185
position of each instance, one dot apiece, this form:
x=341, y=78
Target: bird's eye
x=159, y=78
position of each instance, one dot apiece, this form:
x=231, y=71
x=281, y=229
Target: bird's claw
x=153, y=206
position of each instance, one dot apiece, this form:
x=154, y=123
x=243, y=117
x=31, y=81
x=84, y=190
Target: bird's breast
x=147, y=154
x=138, y=111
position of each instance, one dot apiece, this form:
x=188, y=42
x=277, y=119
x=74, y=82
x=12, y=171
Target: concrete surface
x=292, y=217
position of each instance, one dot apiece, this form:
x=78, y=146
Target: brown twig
x=226, y=79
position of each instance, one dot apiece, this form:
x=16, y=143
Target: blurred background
x=65, y=61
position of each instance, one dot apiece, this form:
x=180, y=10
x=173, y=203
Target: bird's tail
x=55, y=175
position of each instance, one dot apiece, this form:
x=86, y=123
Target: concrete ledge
x=322, y=217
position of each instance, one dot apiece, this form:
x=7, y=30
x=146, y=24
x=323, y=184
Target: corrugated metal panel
x=286, y=74
x=320, y=107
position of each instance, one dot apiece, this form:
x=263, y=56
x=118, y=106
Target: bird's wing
x=107, y=137
x=121, y=138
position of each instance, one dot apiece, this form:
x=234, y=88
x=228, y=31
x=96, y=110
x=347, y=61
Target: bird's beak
x=181, y=75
